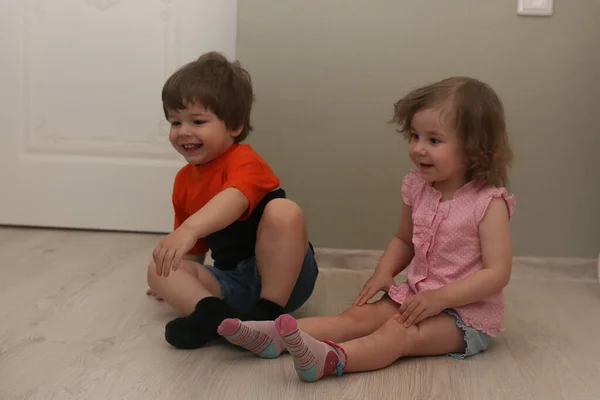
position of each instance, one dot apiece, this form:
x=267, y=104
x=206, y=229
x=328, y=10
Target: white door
x=83, y=140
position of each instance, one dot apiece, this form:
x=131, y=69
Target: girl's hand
x=170, y=251
x=376, y=283
x=420, y=306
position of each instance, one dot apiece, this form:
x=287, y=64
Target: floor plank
x=76, y=324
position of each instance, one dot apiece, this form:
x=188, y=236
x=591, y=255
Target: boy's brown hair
x=478, y=117
x=222, y=87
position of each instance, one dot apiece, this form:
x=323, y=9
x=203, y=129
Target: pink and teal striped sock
x=313, y=359
x=259, y=337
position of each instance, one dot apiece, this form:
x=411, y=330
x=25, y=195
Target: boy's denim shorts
x=242, y=285
x=475, y=340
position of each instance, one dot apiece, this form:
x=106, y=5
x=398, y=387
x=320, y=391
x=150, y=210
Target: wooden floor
x=76, y=324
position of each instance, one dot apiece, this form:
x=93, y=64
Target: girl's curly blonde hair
x=478, y=117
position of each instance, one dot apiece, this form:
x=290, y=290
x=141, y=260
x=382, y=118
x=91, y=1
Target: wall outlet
x=539, y=8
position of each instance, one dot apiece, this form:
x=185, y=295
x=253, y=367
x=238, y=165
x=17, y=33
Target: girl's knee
x=395, y=326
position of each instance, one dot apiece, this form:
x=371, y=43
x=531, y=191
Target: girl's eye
x=198, y=122
x=414, y=136
x=434, y=141
x=175, y=123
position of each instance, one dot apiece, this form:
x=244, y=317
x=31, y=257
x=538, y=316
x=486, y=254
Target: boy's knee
x=282, y=214
x=186, y=267
x=151, y=275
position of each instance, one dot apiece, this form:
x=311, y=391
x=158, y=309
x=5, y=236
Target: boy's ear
x=236, y=132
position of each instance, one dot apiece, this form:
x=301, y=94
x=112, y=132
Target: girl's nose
x=420, y=149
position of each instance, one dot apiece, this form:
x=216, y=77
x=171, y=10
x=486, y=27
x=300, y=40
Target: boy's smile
x=199, y=135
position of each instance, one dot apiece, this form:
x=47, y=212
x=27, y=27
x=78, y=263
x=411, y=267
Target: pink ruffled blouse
x=447, y=246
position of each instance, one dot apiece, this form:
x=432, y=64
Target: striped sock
x=259, y=337
x=313, y=359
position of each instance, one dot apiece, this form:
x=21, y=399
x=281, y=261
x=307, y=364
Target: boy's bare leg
x=193, y=290
x=314, y=359
x=185, y=287
x=281, y=244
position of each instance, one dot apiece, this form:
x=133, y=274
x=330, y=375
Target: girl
x=453, y=236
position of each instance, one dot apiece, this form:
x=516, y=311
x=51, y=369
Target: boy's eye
x=414, y=136
x=175, y=123
x=198, y=122
x=434, y=141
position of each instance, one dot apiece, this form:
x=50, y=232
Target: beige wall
x=327, y=72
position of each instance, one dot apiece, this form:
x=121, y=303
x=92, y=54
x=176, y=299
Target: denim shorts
x=242, y=285
x=475, y=340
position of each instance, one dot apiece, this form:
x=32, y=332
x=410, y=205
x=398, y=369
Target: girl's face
x=436, y=150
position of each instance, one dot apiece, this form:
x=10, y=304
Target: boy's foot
x=313, y=359
x=264, y=310
x=150, y=292
x=259, y=337
x=200, y=327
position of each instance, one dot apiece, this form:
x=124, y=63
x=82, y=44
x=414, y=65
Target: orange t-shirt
x=239, y=167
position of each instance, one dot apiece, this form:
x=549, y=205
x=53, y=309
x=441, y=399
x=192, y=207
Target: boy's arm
x=396, y=257
x=494, y=233
x=221, y=211
x=199, y=258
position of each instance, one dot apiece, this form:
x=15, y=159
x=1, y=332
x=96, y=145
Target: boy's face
x=199, y=135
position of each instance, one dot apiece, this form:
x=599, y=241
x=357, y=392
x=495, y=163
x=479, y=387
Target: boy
x=226, y=199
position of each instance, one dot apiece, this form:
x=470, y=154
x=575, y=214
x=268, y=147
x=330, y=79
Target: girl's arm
x=400, y=250
x=396, y=257
x=494, y=233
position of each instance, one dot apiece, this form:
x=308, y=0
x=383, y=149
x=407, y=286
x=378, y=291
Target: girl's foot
x=313, y=359
x=259, y=337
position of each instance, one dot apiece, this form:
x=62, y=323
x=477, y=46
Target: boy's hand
x=376, y=283
x=168, y=253
x=420, y=306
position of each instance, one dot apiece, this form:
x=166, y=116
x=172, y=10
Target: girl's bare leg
x=355, y=322
x=434, y=336
x=314, y=359
x=262, y=338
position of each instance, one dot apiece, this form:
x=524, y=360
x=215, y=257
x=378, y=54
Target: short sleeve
x=180, y=216
x=409, y=184
x=487, y=195
x=253, y=177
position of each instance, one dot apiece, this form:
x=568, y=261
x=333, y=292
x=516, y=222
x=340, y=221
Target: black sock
x=265, y=310
x=200, y=326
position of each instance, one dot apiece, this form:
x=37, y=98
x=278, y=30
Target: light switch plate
x=540, y=8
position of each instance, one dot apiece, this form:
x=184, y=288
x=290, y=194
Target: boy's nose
x=184, y=131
